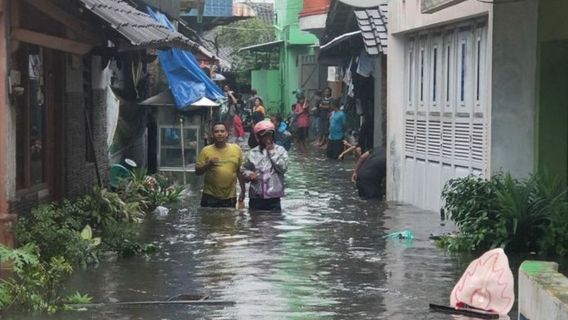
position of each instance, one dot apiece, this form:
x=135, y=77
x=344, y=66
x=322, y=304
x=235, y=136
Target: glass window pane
x=434, y=74
x=170, y=137
x=36, y=144
x=171, y=149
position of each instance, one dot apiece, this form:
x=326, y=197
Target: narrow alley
x=324, y=257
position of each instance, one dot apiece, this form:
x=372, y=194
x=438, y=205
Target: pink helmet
x=264, y=125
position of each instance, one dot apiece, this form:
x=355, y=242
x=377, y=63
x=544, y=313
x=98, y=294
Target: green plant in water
x=121, y=238
x=518, y=215
x=471, y=202
x=149, y=191
x=78, y=298
x=56, y=232
x=37, y=284
x=524, y=212
x=107, y=207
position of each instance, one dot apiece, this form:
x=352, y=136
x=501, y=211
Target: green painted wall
x=296, y=42
x=268, y=85
x=553, y=104
x=292, y=73
x=553, y=88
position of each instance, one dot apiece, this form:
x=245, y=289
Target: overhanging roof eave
x=337, y=40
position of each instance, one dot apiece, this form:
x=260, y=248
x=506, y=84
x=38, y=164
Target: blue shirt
x=282, y=136
x=336, y=125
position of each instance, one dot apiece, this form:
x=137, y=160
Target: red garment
x=238, y=124
x=302, y=115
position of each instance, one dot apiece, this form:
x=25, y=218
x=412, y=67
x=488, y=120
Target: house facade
x=353, y=40
x=463, y=94
x=53, y=104
x=294, y=51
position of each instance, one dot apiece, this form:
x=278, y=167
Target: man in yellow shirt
x=220, y=162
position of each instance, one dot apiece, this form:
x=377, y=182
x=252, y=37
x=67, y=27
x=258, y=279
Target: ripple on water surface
x=323, y=257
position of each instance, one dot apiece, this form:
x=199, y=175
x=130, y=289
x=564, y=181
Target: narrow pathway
x=324, y=257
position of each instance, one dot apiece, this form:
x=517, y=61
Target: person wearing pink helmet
x=264, y=167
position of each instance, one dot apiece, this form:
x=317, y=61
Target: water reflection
x=323, y=257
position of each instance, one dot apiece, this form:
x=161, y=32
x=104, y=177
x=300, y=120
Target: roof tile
x=373, y=25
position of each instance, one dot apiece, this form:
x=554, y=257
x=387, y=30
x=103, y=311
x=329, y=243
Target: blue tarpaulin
x=187, y=82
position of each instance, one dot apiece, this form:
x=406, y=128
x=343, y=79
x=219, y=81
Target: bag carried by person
x=271, y=184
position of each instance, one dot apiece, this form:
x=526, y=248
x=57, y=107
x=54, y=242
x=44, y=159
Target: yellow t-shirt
x=221, y=181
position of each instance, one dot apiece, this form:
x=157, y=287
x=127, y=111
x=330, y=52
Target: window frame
x=188, y=167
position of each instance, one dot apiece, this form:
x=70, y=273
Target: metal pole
x=182, y=149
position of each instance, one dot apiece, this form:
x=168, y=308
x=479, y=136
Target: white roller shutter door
x=445, y=125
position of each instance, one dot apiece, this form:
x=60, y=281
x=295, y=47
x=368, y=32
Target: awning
x=340, y=39
x=165, y=99
x=204, y=102
x=136, y=26
x=267, y=46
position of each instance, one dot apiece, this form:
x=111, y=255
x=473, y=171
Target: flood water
x=323, y=257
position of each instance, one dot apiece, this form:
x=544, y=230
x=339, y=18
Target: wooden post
x=182, y=150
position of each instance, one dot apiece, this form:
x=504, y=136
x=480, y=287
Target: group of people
x=223, y=164
x=328, y=122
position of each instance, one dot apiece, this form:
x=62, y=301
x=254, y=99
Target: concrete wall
x=80, y=174
x=513, y=113
x=405, y=16
x=6, y=174
x=380, y=98
x=542, y=291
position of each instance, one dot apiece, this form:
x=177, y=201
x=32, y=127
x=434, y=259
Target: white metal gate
x=446, y=109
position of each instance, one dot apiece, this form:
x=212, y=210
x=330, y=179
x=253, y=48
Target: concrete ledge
x=543, y=292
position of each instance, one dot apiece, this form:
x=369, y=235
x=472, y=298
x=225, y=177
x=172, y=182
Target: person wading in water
x=220, y=162
x=264, y=166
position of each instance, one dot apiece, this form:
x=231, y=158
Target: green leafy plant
x=55, y=232
x=107, y=207
x=471, y=202
x=519, y=215
x=120, y=238
x=149, y=191
x=78, y=298
x=37, y=284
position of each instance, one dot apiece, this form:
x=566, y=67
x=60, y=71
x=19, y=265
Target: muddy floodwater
x=323, y=257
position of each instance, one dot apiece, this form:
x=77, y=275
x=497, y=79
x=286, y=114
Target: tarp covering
x=187, y=82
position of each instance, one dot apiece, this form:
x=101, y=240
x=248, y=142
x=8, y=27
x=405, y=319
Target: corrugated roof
x=136, y=26
x=373, y=23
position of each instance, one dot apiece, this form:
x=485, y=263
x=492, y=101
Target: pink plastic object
x=486, y=284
